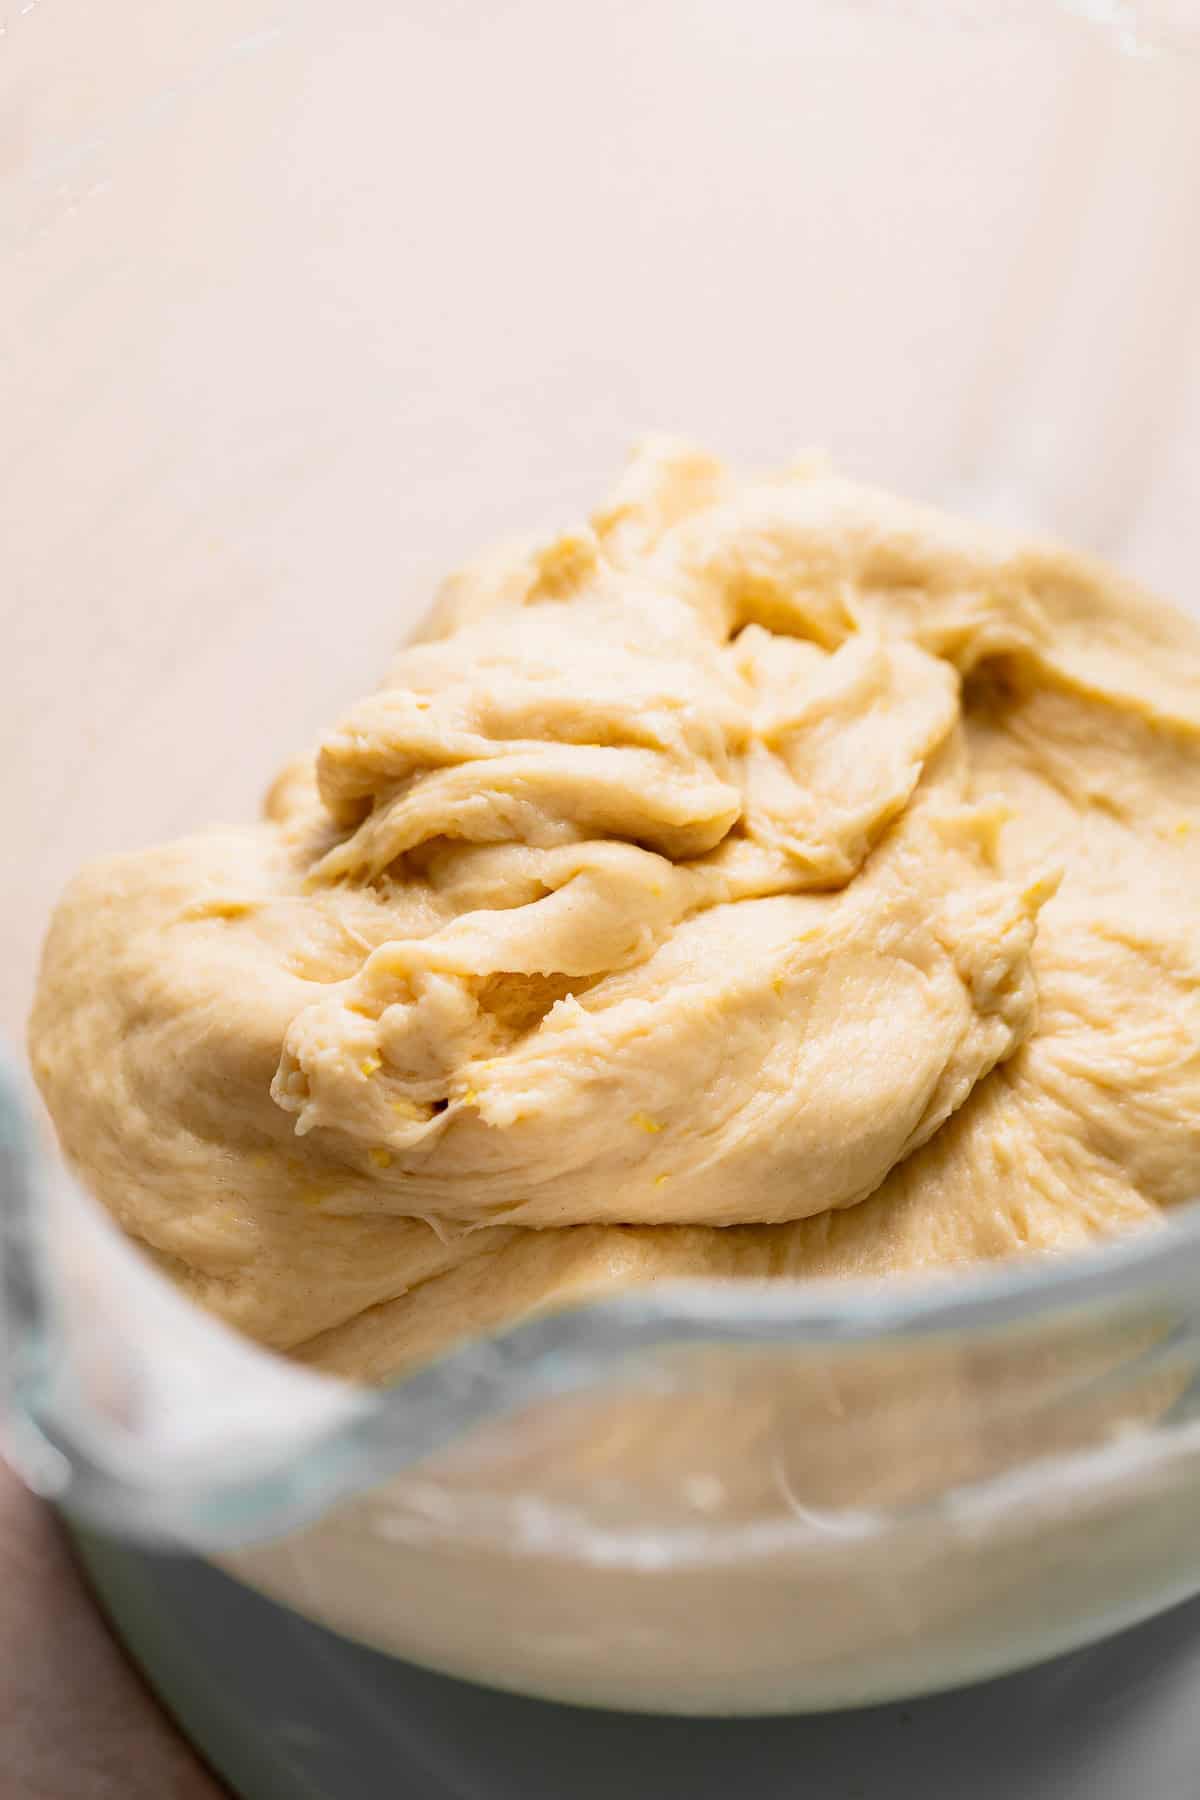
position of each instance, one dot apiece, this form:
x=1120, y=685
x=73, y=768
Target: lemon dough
x=771, y=878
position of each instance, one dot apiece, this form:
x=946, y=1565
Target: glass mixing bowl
x=300, y=307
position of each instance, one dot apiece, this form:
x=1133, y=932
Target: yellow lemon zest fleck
x=644, y=1122
x=470, y=1097
x=380, y=1157
x=660, y=1179
x=777, y=984
x=217, y=909
x=369, y=1064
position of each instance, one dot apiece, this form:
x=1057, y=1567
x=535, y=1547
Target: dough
x=772, y=878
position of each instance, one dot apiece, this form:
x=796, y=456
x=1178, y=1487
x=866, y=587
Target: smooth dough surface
x=771, y=878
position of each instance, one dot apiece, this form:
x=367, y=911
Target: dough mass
x=772, y=878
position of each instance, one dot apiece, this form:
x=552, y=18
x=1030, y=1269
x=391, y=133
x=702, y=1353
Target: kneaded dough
x=771, y=878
